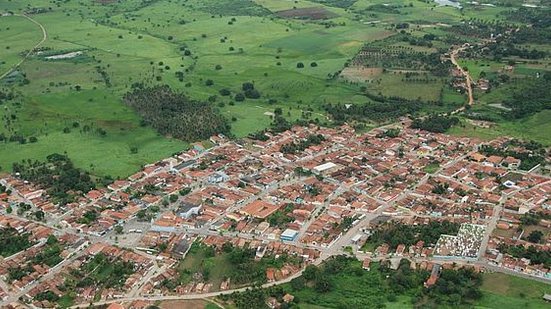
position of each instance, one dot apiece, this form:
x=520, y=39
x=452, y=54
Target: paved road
x=44, y=38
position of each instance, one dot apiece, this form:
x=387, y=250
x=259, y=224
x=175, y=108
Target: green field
x=535, y=127
x=502, y=291
x=228, y=42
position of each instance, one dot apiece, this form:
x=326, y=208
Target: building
x=186, y=210
x=356, y=239
x=326, y=168
x=289, y=235
x=366, y=264
x=218, y=177
x=180, y=248
x=259, y=209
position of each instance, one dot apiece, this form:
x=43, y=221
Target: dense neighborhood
x=389, y=194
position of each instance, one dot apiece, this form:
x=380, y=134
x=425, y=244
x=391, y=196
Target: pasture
x=292, y=51
x=506, y=291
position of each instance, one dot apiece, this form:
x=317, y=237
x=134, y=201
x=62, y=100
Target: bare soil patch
x=360, y=74
x=183, y=304
x=307, y=13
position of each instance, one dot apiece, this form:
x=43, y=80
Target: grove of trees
x=174, y=114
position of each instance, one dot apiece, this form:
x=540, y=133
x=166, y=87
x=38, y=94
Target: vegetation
x=61, y=179
x=50, y=253
x=529, y=158
x=176, y=115
x=281, y=217
x=435, y=123
x=205, y=264
x=508, y=292
x=341, y=283
x=535, y=255
x=396, y=234
x=12, y=242
x=303, y=144
x=101, y=272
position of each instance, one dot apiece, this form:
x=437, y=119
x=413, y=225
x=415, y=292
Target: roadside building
x=289, y=235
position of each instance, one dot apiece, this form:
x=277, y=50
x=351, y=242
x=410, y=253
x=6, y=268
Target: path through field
x=44, y=38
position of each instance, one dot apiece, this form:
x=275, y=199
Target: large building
x=186, y=210
x=259, y=209
x=289, y=235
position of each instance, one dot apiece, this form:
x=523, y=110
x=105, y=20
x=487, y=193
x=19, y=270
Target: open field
x=535, y=127
x=188, y=304
x=502, y=291
x=137, y=42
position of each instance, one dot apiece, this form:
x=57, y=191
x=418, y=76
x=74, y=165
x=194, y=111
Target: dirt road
x=44, y=38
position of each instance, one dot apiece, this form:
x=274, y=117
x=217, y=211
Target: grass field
x=196, y=260
x=502, y=291
x=19, y=35
x=227, y=41
x=535, y=127
x=135, y=41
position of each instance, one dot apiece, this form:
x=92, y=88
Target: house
x=366, y=264
x=511, y=162
x=435, y=273
x=180, y=248
x=288, y=298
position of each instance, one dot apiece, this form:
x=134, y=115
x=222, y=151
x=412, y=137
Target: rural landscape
x=275, y=154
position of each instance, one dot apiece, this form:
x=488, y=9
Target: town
x=298, y=197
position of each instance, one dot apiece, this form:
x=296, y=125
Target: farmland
x=300, y=56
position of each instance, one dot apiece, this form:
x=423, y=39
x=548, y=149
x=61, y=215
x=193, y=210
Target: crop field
x=68, y=93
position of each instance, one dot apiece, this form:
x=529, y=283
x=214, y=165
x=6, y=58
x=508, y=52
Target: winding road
x=468, y=79
x=44, y=38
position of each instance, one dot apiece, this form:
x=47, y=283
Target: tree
x=247, y=86
x=535, y=236
x=298, y=283
x=300, y=65
x=323, y=285
x=209, y=82
x=39, y=215
x=239, y=97
x=119, y=229
x=310, y=272
x=313, y=64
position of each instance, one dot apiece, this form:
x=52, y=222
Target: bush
x=239, y=97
